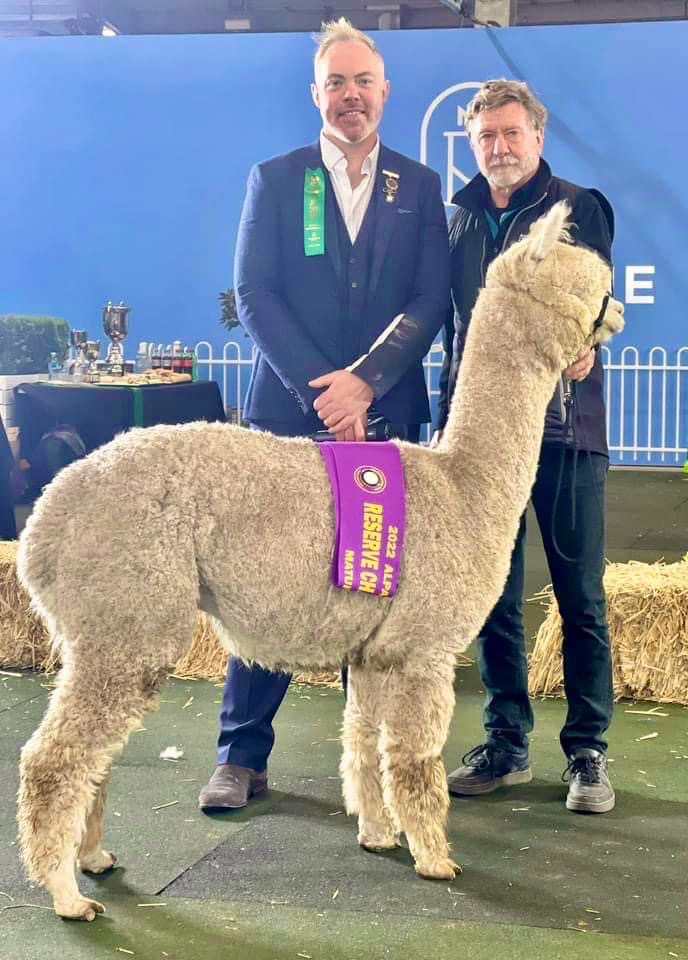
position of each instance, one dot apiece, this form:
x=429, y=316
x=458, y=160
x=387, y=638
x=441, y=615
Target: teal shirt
x=498, y=219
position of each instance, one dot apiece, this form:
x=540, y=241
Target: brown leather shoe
x=231, y=786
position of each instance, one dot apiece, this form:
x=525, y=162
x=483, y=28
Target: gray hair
x=494, y=94
x=338, y=31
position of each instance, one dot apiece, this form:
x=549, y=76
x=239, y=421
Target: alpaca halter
x=600, y=316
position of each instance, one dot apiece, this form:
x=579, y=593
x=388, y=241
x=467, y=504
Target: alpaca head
x=569, y=284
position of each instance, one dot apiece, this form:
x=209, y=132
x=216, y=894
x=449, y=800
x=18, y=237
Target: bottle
x=167, y=357
x=54, y=366
x=187, y=361
x=156, y=356
x=141, y=361
x=177, y=357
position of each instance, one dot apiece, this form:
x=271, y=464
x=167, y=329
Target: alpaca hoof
x=442, y=869
x=79, y=909
x=376, y=842
x=97, y=862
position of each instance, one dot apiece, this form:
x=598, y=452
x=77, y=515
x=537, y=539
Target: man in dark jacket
x=505, y=125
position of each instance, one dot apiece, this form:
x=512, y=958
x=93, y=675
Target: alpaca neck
x=494, y=432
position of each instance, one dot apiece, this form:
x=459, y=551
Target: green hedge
x=26, y=342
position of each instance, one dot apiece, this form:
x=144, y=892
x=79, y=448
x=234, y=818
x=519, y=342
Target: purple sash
x=369, y=495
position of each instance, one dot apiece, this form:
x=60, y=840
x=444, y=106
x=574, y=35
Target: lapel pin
x=391, y=185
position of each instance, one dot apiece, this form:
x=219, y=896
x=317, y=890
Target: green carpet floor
x=286, y=879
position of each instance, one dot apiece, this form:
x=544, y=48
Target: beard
x=509, y=171
x=355, y=130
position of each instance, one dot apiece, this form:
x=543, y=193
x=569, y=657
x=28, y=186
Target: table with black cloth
x=8, y=530
x=100, y=411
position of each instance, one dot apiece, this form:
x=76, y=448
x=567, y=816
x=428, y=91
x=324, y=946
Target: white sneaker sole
x=586, y=806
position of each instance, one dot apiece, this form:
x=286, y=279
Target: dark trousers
x=252, y=695
x=576, y=527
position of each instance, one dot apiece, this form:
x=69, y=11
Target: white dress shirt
x=353, y=203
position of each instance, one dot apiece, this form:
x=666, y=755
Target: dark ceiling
x=42, y=17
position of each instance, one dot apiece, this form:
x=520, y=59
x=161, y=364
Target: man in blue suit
x=342, y=247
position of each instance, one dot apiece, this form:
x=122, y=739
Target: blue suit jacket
x=288, y=302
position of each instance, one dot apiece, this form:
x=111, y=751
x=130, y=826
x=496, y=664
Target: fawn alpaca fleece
x=240, y=525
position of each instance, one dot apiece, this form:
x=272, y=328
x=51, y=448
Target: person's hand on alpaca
x=344, y=402
x=357, y=432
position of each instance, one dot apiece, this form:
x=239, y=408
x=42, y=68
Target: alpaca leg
x=360, y=764
x=63, y=767
x=116, y=648
x=67, y=900
x=418, y=709
x=55, y=795
x=92, y=858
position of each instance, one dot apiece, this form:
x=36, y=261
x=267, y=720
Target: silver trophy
x=92, y=352
x=115, y=326
x=79, y=364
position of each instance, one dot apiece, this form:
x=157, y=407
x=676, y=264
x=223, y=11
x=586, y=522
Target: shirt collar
x=333, y=156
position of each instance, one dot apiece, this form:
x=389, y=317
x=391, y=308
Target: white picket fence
x=647, y=405
x=646, y=396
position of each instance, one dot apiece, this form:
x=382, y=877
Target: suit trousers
x=252, y=695
x=568, y=498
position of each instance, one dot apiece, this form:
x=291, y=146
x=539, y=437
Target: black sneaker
x=485, y=768
x=589, y=788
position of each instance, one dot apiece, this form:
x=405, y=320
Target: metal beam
x=598, y=11
x=209, y=16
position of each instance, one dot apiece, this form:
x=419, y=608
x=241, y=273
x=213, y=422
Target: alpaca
x=240, y=524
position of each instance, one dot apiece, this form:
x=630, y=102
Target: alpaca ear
x=548, y=230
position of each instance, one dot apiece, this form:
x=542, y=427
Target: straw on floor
x=24, y=642
x=647, y=608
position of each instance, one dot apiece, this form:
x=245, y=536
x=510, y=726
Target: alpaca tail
x=51, y=524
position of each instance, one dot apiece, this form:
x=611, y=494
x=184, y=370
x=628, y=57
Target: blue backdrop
x=123, y=161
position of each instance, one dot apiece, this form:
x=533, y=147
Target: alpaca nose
x=612, y=322
x=617, y=313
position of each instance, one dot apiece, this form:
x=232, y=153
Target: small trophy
x=78, y=365
x=115, y=326
x=92, y=352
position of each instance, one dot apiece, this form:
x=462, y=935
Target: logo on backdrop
x=443, y=139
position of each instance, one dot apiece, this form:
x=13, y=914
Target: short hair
x=494, y=94
x=338, y=31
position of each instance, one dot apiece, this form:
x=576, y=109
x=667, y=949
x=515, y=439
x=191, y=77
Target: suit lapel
x=385, y=218
x=331, y=232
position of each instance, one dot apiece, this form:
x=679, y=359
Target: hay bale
x=647, y=610
x=24, y=642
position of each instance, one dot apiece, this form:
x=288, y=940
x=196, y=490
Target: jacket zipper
x=517, y=215
x=508, y=232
